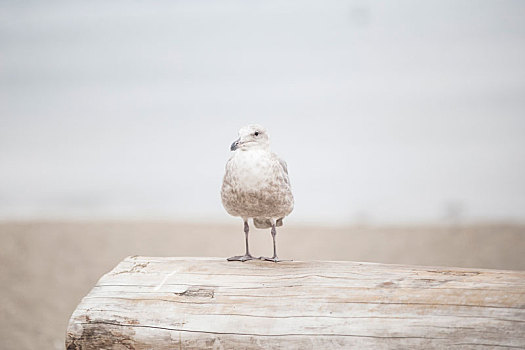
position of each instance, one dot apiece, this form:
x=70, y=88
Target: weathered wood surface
x=194, y=303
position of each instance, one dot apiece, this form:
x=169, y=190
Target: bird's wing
x=284, y=169
x=283, y=165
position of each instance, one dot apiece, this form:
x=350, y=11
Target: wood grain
x=194, y=303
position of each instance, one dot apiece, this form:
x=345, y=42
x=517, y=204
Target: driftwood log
x=195, y=303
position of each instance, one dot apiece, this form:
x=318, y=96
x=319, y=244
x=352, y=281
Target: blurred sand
x=47, y=267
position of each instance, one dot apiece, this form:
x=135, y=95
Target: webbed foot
x=243, y=258
x=273, y=259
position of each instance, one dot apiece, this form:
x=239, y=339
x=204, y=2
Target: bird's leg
x=274, y=258
x=247, y=255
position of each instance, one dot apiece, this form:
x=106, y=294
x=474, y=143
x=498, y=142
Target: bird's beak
x=235, y=144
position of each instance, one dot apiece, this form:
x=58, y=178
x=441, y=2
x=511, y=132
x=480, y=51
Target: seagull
x=256, y=186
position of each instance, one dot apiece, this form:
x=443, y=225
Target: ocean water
x=385, y=112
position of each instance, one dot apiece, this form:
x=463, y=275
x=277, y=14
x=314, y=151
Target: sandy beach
x=47, y=267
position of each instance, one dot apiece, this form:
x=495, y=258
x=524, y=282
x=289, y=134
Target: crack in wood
x=306, y=299
x=262, y=334
x=419, y=318
x=197, y=292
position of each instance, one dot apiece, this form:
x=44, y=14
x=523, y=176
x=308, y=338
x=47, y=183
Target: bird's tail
x=266, y=223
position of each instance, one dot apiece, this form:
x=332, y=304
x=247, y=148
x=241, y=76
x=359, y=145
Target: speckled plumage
x=256, y=183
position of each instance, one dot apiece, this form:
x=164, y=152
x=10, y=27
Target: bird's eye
x=256, y=133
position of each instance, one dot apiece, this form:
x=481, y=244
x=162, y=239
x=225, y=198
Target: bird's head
x=251, y=137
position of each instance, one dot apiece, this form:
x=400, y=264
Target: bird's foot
x=244, y=257
x=273, y=258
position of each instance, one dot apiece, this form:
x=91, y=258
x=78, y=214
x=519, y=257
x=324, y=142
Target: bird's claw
x=243, y=258
x=273, y=259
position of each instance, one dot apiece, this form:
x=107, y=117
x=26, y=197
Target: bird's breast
x=250, y=170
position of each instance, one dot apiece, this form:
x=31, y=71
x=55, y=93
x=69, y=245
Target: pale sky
x=385, y=111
